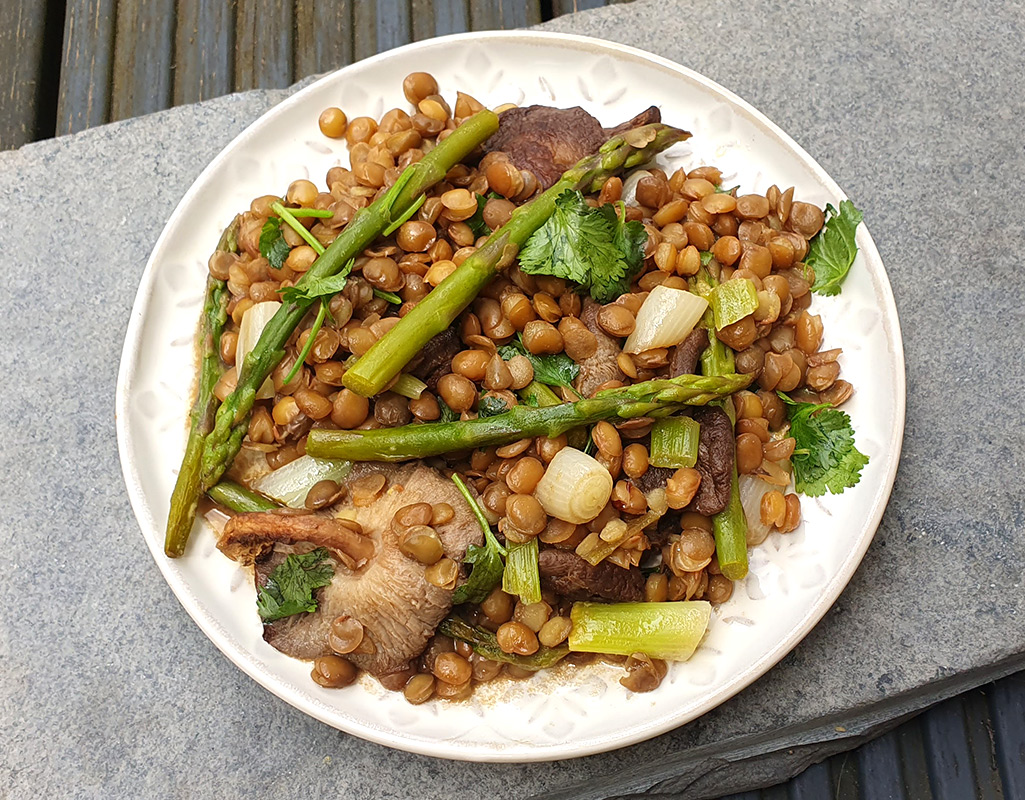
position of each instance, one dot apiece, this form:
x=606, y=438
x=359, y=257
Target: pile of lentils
x=687, y=213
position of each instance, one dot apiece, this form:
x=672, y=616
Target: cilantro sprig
x=831, y=253
x=273, y=246
x=594, y=247
x=553, y=370
x=825, y=457
x=316, y=288
x=486, y=566
x=289, y=589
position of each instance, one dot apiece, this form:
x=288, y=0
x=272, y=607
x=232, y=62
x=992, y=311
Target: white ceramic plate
x=794, y=578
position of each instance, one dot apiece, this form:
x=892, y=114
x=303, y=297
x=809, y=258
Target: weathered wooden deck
x=68, y=65
x=73, y=64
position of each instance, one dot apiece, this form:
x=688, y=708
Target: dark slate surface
x=109, y=689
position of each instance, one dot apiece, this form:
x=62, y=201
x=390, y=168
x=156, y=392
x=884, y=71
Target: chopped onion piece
x=253, y=322
x=575, y=487
x=665, y=318
x=752, y=490
x=291, y=483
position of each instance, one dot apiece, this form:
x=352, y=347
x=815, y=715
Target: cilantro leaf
x=447, y=414
x=595, y=247
x=485, y=573
x=289, y=589
x=390, y=297
x=630, y=239
x=825, y=457
x=486, y=566
x=553, y=370
x=831, y=253
x=317, y=287
x=476, y=222
x=273, y=246
x=490, y=405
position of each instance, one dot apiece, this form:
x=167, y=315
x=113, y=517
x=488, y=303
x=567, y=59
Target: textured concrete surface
x=912, y=109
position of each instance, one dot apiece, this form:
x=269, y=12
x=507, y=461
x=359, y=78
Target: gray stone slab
x=109, y=690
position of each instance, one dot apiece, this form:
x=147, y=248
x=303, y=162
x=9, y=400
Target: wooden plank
x=812, y=784
x=86, y=63
x=451, y=16
x=843, y=776
x=1007, y=710
x=946, y=750
x=263, y=44
x=488, y=15
x=879, y=769
x=393, y=27
x=778, y=792
x=364, y=29
x=560, y=7
x=143, y=54
x=980, y=743
x=439, y=17
x=911, y=747
x=203, y=47
x=323, y=36
x=22, y=23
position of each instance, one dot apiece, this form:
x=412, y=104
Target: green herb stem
x=298, y=227
x=314, y=330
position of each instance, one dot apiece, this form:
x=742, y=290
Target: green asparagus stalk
x=730, y=527
x=438, y=309
x=240, y=499
x=538, y=395
x=420, y=441
x=185, y=496
x=219, y=445
x=485, y=643
x=730, y=524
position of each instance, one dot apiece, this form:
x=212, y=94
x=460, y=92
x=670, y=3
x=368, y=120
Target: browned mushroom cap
x=386, y=591
x=547, y=141
x=248, y=537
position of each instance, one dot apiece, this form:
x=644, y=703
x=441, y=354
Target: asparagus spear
x=239, y=499
x=233, y=417
x=438, y=309
x=220, y=444
x=421, y=441
x=186, y=492
x=485, y=643
x=730, y=524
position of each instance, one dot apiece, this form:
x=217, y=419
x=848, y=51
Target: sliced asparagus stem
x=240, y=499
